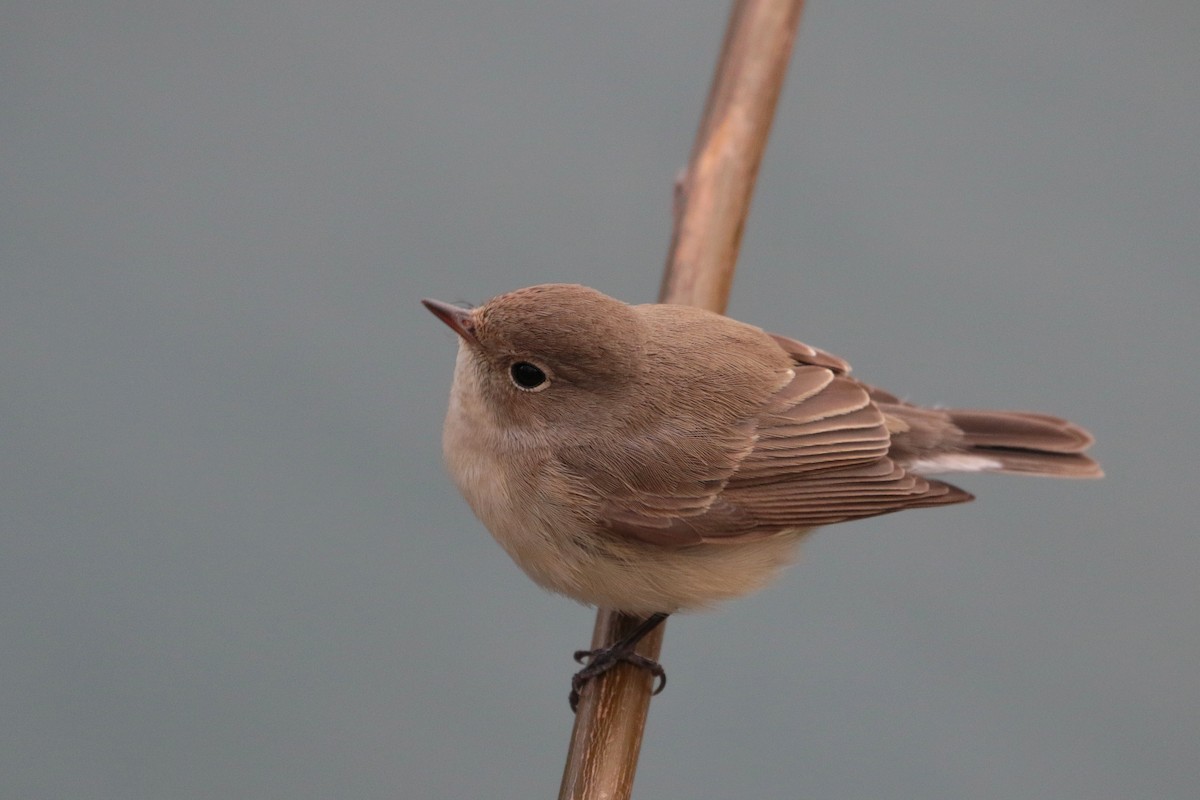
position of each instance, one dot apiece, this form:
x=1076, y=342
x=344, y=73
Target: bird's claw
x=602, y=660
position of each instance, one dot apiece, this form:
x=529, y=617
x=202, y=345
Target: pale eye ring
x=528, y=377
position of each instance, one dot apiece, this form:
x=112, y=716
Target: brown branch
x=714, y=195
x=612, y=712
x=712, y=202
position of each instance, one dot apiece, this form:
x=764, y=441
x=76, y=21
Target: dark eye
x=526, y=375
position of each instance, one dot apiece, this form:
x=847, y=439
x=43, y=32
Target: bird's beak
x=458, y=318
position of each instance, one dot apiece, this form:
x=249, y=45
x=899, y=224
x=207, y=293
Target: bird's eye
x=527, y=376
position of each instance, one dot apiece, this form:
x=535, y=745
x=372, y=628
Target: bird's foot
x=603, y=659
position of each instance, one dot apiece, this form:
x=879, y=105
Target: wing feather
x=814, y=453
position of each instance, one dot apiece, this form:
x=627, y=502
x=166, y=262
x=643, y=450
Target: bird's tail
x=935, y=440
x=1025, y=442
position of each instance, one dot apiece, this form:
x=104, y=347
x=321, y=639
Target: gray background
x=231, y=564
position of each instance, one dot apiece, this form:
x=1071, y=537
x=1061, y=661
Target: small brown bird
x=655, y=458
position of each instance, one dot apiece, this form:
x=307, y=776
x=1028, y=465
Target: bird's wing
x=802, y=353
x=815, y=453
x=823, y=458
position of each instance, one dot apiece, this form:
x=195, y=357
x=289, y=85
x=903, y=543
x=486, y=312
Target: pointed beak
x=458, y=318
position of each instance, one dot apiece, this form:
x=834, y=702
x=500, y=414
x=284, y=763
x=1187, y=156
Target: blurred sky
x=231, y=564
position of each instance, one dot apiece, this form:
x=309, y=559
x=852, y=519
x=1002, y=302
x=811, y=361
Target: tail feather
x=937, y=440
x=1029, y=443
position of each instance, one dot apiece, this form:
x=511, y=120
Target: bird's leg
x=601, y=660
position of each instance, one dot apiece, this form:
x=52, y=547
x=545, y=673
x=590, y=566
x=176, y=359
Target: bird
x=659, y=458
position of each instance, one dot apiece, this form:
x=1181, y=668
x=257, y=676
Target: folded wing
x=814, y=453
